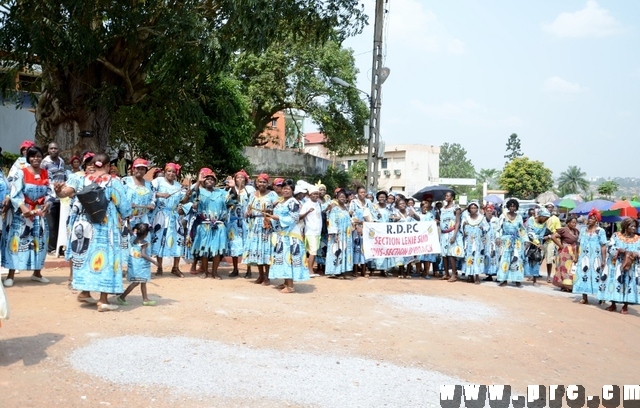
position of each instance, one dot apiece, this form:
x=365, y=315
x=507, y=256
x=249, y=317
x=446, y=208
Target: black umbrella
x=437, y=192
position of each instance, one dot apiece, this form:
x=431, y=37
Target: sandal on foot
x=287, y=289
x=503, y=283
x=234, y=273
x=106, y=307
x=488, y=279
x=280, y=286
x=203, y=275
x=88, y=300
x=611, y=308
x=452, y=279
x=247, y=275
x=266, y=282
x=584, y=302
x=177, y=272
x=518, y=284
x=624, y=310
x=159, y=272
x=149, y=303
x=121, y=302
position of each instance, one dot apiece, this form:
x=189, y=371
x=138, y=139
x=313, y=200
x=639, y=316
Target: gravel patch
x=187, y=366
x=450, y=309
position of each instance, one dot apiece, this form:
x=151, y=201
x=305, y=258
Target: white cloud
x=557, y=84
x=412, y=26
x=592, y=21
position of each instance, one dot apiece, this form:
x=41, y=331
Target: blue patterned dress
x=25, y=240
x=258, y=247
x=447, y=223
x=237, y=226
x=383, y=214
x=210, y=237
x=589, y=267
x=137, y=196
x=404, y=260
x=617, y=285
x=491, y=248
x=165, y=223
x=474, y=233
x=139, y=269
x=96, y=258
x=359, y=212
x=430, y=215
x=340, y=243
x=324, y=236
x=287, y=258
x=512, y=236
x=535, y=233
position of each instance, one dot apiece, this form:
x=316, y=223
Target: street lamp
x=374, y=135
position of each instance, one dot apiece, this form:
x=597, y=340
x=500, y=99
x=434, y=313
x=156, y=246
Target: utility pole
x=373, y=155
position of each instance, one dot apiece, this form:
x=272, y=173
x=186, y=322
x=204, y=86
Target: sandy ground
x=528, y=336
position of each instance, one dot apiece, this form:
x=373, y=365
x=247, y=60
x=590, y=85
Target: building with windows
x=404, y=167
x=285, y=131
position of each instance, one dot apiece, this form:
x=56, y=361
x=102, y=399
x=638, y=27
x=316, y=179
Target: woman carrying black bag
x=97, y=263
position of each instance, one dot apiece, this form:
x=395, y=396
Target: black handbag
x=534, y=254
x=94, y=202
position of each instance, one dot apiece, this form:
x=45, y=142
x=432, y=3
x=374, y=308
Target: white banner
x=389, y=239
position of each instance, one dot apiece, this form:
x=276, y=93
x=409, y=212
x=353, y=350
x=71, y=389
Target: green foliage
x=205, y=125
x=513, y=148
x=8, y=159
x=334, y=178
x=291, y=75
x=490, y=176
x=608, y=188
x=525, y=178
x=97, y=56
x=573, y=181
x=454, y=162
x=358, y=173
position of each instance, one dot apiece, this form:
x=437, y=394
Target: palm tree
x=572, y=181
x=490, y=176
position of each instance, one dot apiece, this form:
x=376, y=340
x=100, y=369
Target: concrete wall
x=275, y=161
x=16, y=125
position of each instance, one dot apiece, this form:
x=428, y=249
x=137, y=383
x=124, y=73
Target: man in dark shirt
x=122, y=164
x=54, y=165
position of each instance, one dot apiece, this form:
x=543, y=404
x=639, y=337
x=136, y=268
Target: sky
x=563, y=75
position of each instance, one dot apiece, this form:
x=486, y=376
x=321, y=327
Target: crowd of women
x=283, y=230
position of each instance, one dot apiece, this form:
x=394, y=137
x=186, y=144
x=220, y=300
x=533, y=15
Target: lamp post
x=374, y=130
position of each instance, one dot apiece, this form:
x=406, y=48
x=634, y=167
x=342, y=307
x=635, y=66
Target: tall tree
x=490, y=176
x=100, y=55
x=291, y=75
x=454, y=162
x=573, y=181
x=513, y=148
x=358, y=173
x=608, y=188
x=525, y=178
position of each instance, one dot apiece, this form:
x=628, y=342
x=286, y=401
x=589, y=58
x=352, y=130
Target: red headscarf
x=596, y=214
x=278, y=182
x=207, y=172
x=489, y=208
x=243, y=174
x=26, y=144
x=263, y=176
x=140, y=163
x=75, y=158
x=174, y=166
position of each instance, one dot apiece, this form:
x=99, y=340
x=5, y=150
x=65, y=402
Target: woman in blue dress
x=287, y=259
x=340, y=243
x=474, y=230
x=140, y=194
x=210, y=232
x=592, y=257
x=512, y=235
x=450, y=240
x=383, y=212
x=427, y=213
x=360, y=211
x=26, y=231
x=95, y=247
x=165, y=223
x=537, y=232
x=619, y=282
x=237, y=226
x=404, y=213
x=257, y=250
x=491, y=247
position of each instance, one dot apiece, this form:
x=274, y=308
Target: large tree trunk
x=67, y=107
